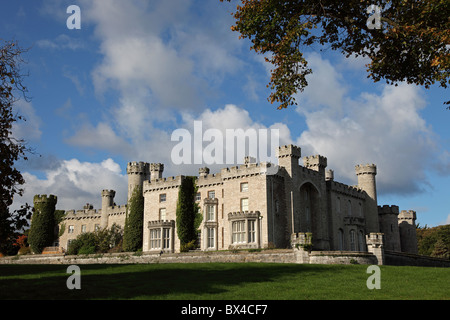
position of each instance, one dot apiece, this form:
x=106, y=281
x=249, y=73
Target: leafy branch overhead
x=412, y=44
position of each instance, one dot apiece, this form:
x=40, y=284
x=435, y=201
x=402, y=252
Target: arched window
x=340, y=240
x=361, y=241
x=352, y=240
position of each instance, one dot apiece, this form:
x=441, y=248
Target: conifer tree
x=134, y=222
x=187, y=212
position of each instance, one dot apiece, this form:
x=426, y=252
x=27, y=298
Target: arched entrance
x=309, y=208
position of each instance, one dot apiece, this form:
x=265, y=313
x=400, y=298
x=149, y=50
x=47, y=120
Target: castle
x=258, y=205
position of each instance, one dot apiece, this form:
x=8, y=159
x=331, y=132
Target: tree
x=11, y=148
x=134, y=222
x=42, y=230
x=411, y=43
x=187, y=213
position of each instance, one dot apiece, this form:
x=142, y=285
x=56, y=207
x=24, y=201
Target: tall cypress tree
x=42, y=230
x=134, y=222
x=187, y=210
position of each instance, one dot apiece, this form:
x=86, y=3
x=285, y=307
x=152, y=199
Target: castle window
x=162, y=214
x=238, y=229
x=251, y=231
x=349, y=209
x=360, y=210
x=210, y=213
x=244, y=204
x=155, y=238
x=166, y=238
x=361, y=241
x=83, y=228
x=97, y=227
x=352, y=240
x=71, y=229
x=162, y=197
x=198, y=196
x=244, y=187
x=340, y=239
x=211, y=237
x=211, y=194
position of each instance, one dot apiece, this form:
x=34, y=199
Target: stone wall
x=297, y=255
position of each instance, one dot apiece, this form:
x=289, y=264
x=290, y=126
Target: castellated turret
x=316, y=163
x=388, y=218
x=138, y=172
x=407, y=229
x=288, y=157
x=366, y=181
x=107, y=201
x=156, y=171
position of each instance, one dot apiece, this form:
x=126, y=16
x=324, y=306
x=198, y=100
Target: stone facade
x=259, y=205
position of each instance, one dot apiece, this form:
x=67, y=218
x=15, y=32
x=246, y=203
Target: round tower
x=138, y=172
x=107, y=201
x=366, y=181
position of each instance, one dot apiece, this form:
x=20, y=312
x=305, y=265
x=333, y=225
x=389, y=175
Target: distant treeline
x=434, y=242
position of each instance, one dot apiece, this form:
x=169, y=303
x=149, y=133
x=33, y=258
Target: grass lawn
x=223, y=281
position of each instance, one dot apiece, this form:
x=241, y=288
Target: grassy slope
x=223, y=281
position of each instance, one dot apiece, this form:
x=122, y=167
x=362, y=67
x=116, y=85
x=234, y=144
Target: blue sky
x=115, y=90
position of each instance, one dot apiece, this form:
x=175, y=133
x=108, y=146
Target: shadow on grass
x=159, y=281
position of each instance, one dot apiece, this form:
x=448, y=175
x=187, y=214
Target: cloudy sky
x=115, y=90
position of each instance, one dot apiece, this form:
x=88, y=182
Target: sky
x=117, y=88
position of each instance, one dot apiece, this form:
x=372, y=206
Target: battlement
x=163, y=183
x=45, y=199
x=289, y=151
x=345, y=189
x=407, y=215
x=388, y=209
x=316, y=163
x=202, y=172
x=108, y=193
x=161, y=224
x=329, y=175
x=366, y=169
x=138, y=168
x=250, y=169
x=243, y=215
x=82, y=214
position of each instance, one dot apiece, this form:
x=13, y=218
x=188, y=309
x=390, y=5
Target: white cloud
x=76, y=183
x=384, y=128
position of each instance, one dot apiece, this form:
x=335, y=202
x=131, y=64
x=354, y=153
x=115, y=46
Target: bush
x=101, y=241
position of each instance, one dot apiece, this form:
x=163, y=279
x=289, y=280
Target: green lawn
x=223, y=281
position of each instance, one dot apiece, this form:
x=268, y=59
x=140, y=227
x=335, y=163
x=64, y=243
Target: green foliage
x=11, y=148
x=410, y=46
x=42, y=230
x=188, y=219
x=134, y=222
x=100, y=241
x=434, y=242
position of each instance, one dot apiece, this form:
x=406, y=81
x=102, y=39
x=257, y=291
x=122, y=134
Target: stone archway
x=309, y=208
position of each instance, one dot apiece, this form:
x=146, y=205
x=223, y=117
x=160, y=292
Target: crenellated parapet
x=386, y=209
x=366, y=169
x=289, y=151
x=240, y=215
x=164, y=183
x=51, y=199
x=317, y=163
